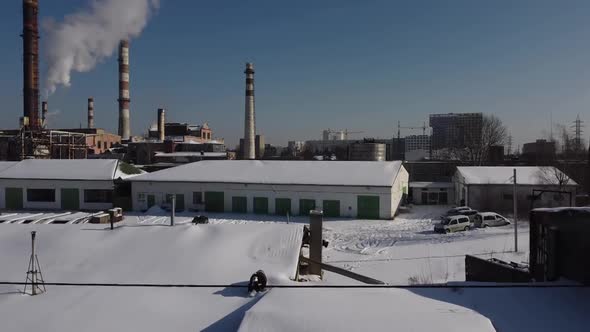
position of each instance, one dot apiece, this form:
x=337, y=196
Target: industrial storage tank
x=367, y=151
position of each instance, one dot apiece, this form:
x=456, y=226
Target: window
x=99, y=144
x=98, y=196
x=464, y=220
x=197, y=197
x=453, y=222
x=41, y=195
x=141, y=197
x=489, y=218
x=507, y=197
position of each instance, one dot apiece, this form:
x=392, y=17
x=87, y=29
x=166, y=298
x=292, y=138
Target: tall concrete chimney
x=161, y=124
x=250, y=120
x=31, y=62
x=124, y=129
x=90, y=112
x=44, y=110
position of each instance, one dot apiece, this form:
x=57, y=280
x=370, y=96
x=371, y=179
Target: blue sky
x=361, y=65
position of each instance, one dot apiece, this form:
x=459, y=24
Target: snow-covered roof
x=334, y=173
x=78, y=169
x=184, y=254
x=67, y=169
x=7, y=164
x=525, y=175
x=420, y=184
x=190, y=154
x=359, y=310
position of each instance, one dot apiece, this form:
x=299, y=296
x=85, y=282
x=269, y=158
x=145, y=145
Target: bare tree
x=553, y=176
x=493, y=133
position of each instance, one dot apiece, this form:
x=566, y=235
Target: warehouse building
x=368, y=190
x=81, y=184
x=491, y=188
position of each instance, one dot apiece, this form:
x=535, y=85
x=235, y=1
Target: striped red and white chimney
x=250, y=120
x=124, y=128
x=90, y=112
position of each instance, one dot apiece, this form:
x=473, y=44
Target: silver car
x=489, y=219
x=453, y=224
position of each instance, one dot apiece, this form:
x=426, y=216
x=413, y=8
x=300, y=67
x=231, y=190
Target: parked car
x=453, y=224
x=454, y=211
x=490, y=219
x=465, y=212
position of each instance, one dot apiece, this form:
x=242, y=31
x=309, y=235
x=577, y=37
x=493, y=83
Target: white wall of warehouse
x=57, y=185
x=389, y=198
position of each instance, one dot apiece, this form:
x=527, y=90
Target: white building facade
x=59, y=185
x=368, y=190
x=491, y=188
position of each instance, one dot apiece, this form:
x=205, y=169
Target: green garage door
x=306, y=205
x=368, y=207
x=214, y=201
x=260, y=205
x=70, y=199
x=283, y=206
x=179, y=201
x=13, y=198
x=151, y=200
x=239, y=205
x=331, y=208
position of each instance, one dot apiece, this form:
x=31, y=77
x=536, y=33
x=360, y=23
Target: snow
x=184, y=254
x=358, y=310
x=525, y=175
x=79, y=169
x=191, y=154
x=336, y=173
x=7, y=164
x=431, y=184
x=143, y=249
x=406, y=250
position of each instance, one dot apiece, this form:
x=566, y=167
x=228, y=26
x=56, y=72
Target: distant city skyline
x=361, y=66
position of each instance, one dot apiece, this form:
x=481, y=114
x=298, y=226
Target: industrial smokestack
x=90, y=35
x=90, y=112
x=124, y=129
x=31, y=62
x=44, y=110
x=161, y=124
x=250, y=121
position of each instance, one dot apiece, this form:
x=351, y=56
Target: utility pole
x=173, y=210
x=514, y=192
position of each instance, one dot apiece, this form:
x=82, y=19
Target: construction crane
x=399, y=128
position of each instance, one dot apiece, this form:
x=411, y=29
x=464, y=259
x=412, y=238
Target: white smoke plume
x=91, y=35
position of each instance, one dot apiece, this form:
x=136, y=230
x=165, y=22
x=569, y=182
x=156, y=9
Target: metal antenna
x=34, y=276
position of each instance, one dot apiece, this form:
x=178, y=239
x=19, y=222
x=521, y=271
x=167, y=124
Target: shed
x=368, y=190
x=491, y=188
x=82, y=184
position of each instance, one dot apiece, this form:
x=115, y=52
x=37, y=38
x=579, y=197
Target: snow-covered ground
x=142, y=250
x=400, y=251
x=407, y=251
